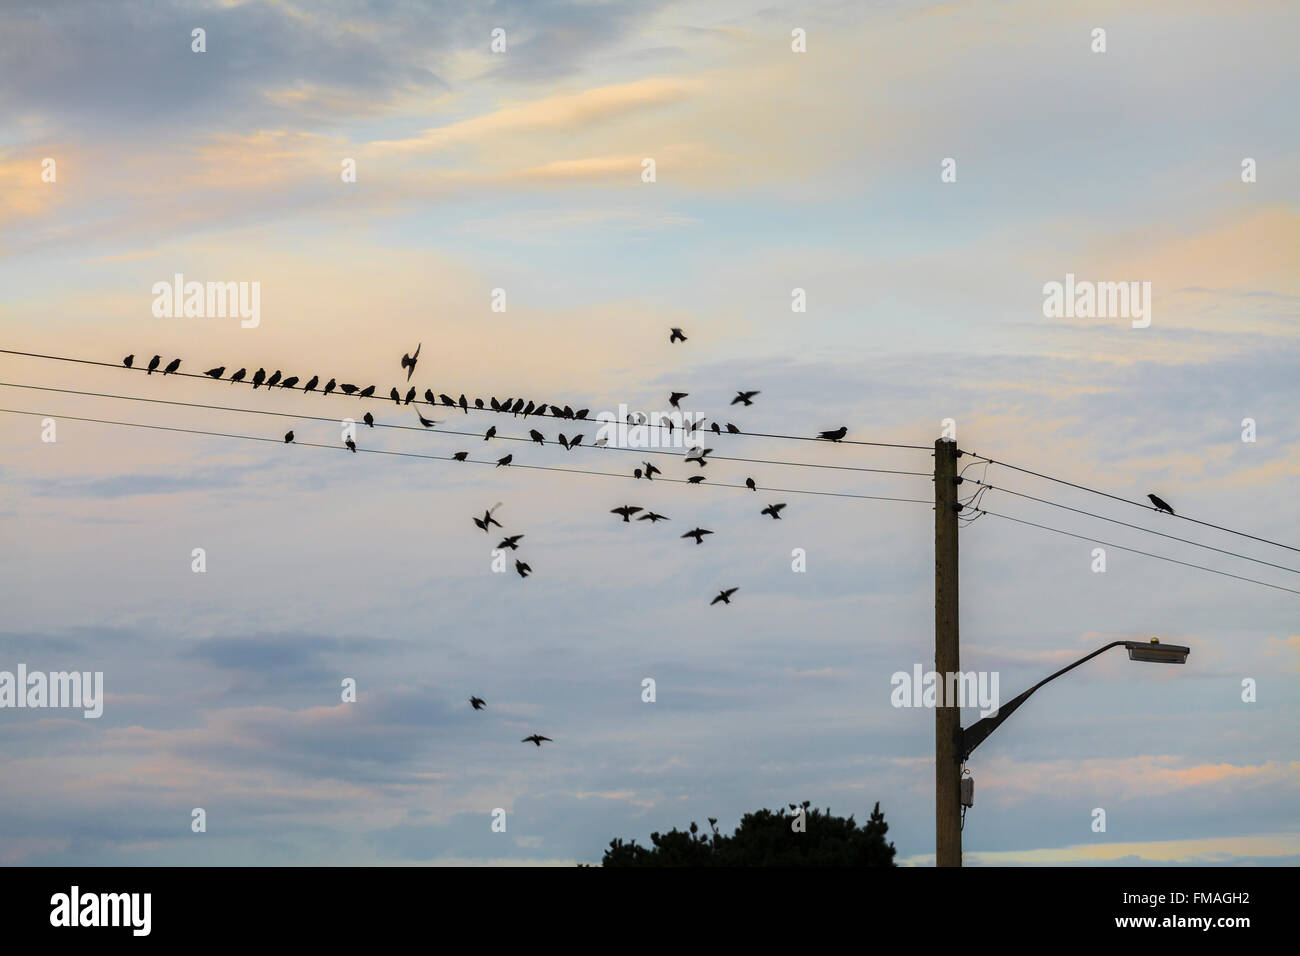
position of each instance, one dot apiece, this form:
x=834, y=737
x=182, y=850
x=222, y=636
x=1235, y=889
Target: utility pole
x=947, y=715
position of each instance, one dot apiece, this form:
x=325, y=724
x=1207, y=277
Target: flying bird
x=288, y=436
x=408, y=361
x=153, y=363
x=773, y=510
x=426, y=422
x=329, y=387
x=698, y=534
x=172, y=366
x=626, y=511
x=697, y=454
x=130, y=360
x=1161, y=504
x=836, y=435
x=523, y=569
x=652, y=517
x=258, y=378
x=536, y=739
x=505, y=461
x=311, y=385
x=217, y=372
x=676, y=336
x=273, y=380
x=478, y=703
x=651, y=470
x=238, y=376
x=368, y=419
x=352, y=446
x=724, y=596
x=744, y=398
x=511, y=542
x=676, y=397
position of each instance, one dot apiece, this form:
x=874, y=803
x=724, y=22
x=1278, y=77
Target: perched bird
x=289, y=382
x=716, y=429
x=478, y=403
x=329, y=387
x=347, y=389
x=511, y=542
x=698, y=534
x=426, y=422
x=744, y=398
x=536, y=436
x=536, y=739
x=352, y=446
x=575, y=441
x=676, y=397
x=288, y=436
x=464, y=405
x=410, y=396
x=217, y=372
x=773, y=510
x=496, y=406
x=172, y=366
x=408, y=361
x=581, y=413
x=651, y=470
x=835, y=435
x=428, y=396
x=732, y=429
x=368, y=419
x=749, y=483
x=396, y=396
x=694, y=479
x=505, y=461
x=478, y=703
x=652, y=517
x=311, y=384
x=1161, y=505
x=523, y=569
x=724, y=596
x=366, y=392
x=636, y=473
x=153, y=363
x=676, y=336
x=274, y=379
x=238, y=376
x=460, y=456
x=130, y=360
x=529, y=409
x=626, y=511
x=258, y=378
x=446, y=399
x=601, y=442
x=490, y=433
x=564, y=442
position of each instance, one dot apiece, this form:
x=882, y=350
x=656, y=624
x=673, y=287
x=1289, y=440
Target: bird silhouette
x=698, y=534
x=697, y=454
x=129, y=360
x=479, y=522
x=724, y=596
x=581, y=413
x=311, y=385
x=238, y=376
x=153, y=363
x=732, y=429
x=488, y=520
x=329, y=387
x=652, y=517
x=368, y=419
x=716, y=429
x=511, y=542
x=536, y=739
x=651, y=470
x=428, y=396
x=744, y=398
x=464, y=405
x=505, y=461
x=626, y=511
x=1161, y=505
x=460, y=456
x=288, y=437
x=523, y=569
x=366, y=392
x=773, y=510
x=426, y=422
x=274, y=379
x=695, y=479
x=676, y=336
x=836, y=435
x=172, y=366
x=446, y=399
x=749, y=483
x=217, y=372
x=490, y=433
x=564, y=442
x=352, y=446
x=410, y=395
x=478, y=703
x=347, y=389
x=575, y=441
x=478, y=403
x=536, y=436
x=396, y=396
x=289, y=382
x=408, y=361
x=676, y=397
x=636, y=473
x=258, y=378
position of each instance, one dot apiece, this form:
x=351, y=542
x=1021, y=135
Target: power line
x=1148, y=554
x=472, y=408
x=448, y=431
x=471, y=461
x=1130, y=501
x=1020, y=494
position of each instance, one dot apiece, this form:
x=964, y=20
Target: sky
x=517, y=175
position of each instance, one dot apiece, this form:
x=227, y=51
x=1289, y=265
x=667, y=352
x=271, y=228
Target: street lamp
x=1152, y=652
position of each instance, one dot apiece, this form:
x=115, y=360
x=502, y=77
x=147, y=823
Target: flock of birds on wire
x=517, y=406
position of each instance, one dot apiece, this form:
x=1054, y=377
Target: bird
x=773, y=510
x=716, y=429
x=258, y=378
x=428, y=396
x=408, y=361
x=749, y=483
x=694, y=479
x=724, y=596
x=410, y=396
x=464, y=405
x=744, y=397
x=505, y=461
x=536, y=739
x=676, y=397
x=602, y=442
x=153, y=363
x=329, y=387
x=511, y=542
x=238, y=376
x=488, y=520
x=490, y=433
x=172, y=366
x=352, y=446
x=732, y=429
x=697, y=455
x=564, y=442
x=366, y=392
x=651, y=470
x=698, y=534
x=217, y=372
x=274, y=379
x=626, y=511
x=636, y=473
x=446, y=399
x=426, y=422
x=460, y=456
x=581, y=413
x=288, y=436
x=396, y=396
x=347, y=389
x=130, y=360
x=368, y=419
x=289, y=382
x=496, y=406
x=835, y=435
x=529, y=409
x=523, y=569
x=478, y=703
x=652, y=517
x=676, y=336
x=1161, y=504
x=575, y=441
x=478, y=403
x=536, y=436
x=311, y=385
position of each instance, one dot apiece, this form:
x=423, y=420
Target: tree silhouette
x=802, y=838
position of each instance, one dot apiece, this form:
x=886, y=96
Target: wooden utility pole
x=947, y=715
